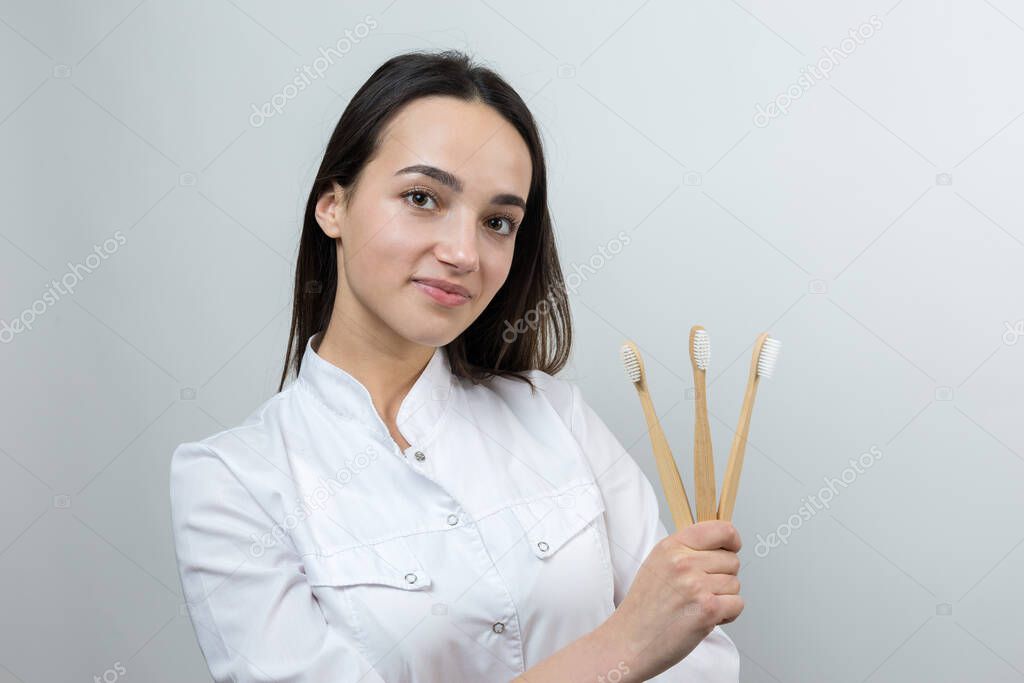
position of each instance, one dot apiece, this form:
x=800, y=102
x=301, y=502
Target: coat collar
x=419, y=413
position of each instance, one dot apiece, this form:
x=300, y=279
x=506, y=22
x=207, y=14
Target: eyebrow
x=451, y=181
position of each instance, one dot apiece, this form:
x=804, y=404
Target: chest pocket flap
x=554, y=519
x=388, y=563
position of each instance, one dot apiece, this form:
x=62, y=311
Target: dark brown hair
x=532, y=305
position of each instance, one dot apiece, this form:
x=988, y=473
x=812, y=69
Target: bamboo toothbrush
x=675, y=493
x=703, y=459
x=762, y=364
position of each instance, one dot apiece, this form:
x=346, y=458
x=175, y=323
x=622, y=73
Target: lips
x=442, y=296
x=444, y=285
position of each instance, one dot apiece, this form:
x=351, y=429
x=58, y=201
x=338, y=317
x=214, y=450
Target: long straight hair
x=527, y=325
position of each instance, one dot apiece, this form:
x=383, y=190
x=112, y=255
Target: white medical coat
x=312, y=548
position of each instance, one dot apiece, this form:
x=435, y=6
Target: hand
x=685, y=587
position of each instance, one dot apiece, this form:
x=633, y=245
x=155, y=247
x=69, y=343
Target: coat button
x=411, y=577
x=498, y=627
x=419, y=456
x=543, y=546
x=453, y=520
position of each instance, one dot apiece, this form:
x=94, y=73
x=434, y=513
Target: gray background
x=875, y=229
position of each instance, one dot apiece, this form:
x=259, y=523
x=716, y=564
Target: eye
x=420, y=198
x=509, y=222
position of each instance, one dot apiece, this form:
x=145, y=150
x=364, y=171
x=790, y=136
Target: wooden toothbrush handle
x=703, y=461
x=671, y=482
x=731, y=481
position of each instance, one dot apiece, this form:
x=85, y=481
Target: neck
x=387, y=369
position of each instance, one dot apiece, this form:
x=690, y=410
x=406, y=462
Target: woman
x=427, y=501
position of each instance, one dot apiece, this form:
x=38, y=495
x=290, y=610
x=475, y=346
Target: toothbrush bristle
x=631, y=363
x=701, y=349
x=767, y=358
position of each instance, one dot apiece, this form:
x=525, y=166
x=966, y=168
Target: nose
x=457, y=245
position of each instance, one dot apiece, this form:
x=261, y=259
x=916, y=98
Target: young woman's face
x=441, y=200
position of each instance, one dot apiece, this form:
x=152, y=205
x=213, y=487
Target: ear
x=330, y=211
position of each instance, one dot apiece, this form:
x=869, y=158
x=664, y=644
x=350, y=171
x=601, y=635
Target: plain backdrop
x=704, y=169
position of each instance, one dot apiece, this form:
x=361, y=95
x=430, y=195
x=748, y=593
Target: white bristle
x=766, y=359
x=631, y=363
x=701, y=349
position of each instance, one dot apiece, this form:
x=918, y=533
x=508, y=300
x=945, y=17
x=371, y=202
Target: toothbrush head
x=631, y=363
x=701, y=349
x=767, y=358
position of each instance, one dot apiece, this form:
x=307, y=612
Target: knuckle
x=681, y=563
x=688, y=585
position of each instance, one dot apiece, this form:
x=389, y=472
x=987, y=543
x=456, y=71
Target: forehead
x=468, y=139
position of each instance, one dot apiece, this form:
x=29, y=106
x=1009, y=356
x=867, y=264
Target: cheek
x=372, y=224
x=380, y=257
x=497, y=264
x=383, y=232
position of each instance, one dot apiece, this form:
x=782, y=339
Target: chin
x=430, y=332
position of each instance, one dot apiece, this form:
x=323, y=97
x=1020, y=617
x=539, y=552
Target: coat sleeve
x=634, y=527
x=254, y=613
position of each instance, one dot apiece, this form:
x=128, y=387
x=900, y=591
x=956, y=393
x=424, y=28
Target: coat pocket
x=552, y=520
x=376, y=595
x=387, y=563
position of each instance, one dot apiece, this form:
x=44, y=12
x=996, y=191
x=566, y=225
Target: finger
x=727, y=608
x=717, y=561
x=710, y=535
x=723, y=584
